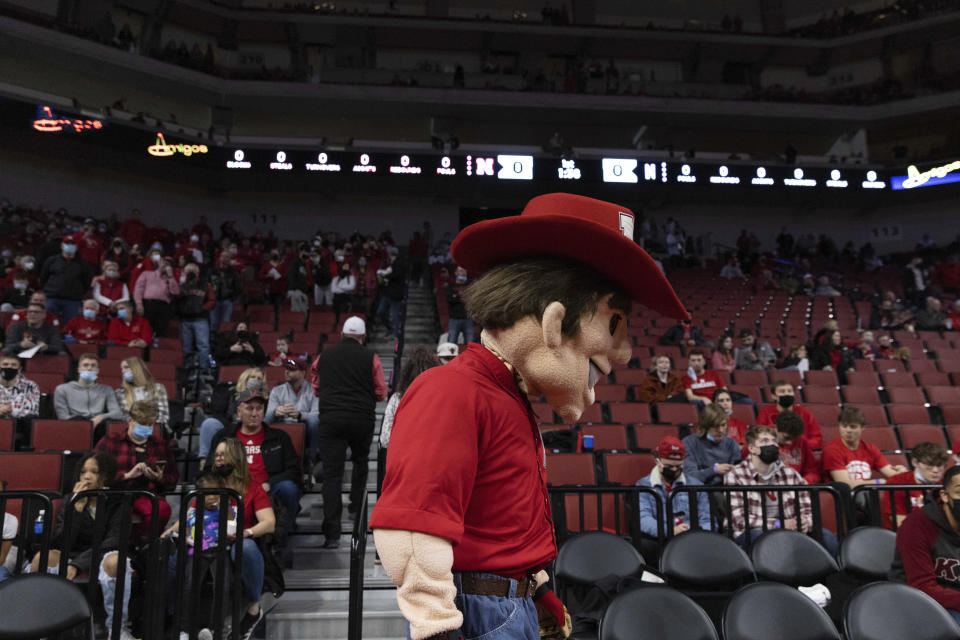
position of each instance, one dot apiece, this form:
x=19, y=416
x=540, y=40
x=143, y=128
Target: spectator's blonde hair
x=144, y=412
x=711, y=416
x=244, y=379
x=240, y=477
x=141, y=378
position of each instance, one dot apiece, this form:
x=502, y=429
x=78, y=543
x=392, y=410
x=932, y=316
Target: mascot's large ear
x=552, y=324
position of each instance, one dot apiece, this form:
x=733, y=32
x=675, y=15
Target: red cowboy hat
x=596, y=233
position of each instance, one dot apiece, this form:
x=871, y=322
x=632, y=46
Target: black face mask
x=785, y=401
x=769, y=453
x=243, y=336
x=9, y=373
x=223, y=470
x=670, y=473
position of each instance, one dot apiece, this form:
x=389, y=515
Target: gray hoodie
x=72, y=400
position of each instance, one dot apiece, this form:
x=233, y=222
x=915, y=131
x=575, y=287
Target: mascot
x=463, y=524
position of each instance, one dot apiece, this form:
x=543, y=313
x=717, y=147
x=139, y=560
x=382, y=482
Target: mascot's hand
x=555, y=623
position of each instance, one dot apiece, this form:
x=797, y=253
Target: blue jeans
x=65, y=309
x=312, y=423
x=496, y=618
x=457, y=326
x=288, y=494
x=829, y=540
x=208, y=429
x=195, y=336
x=4, y=574
x=388, y=303
x=108, y=586
x=220, y=314
x=251, y=573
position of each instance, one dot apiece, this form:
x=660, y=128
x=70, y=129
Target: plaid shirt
x=121, y=448
x=746, y=475
x=23, y=396
x=140, y=393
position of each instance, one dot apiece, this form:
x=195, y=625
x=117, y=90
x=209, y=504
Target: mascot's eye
x=615, y=322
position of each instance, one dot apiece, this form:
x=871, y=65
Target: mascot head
x=556, y=291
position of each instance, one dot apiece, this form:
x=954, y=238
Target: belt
x=474, y=585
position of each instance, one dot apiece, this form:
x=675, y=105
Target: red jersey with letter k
x=705, y=384
x=251, y=444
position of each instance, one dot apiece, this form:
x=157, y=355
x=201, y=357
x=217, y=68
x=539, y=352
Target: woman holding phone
x=144, y=462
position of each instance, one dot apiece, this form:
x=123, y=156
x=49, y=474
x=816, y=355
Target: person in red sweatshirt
x=795, y=451
x=129, y=329
x=273, y=274
x=89, y=244
x=928, y=547
x=784, y=392
x=87, y=328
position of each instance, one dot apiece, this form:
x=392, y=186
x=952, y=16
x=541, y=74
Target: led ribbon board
x=944, y=174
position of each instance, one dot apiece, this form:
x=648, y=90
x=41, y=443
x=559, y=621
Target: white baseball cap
x=355, y=326
x=447, y=350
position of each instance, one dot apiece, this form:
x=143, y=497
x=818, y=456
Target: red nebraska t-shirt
x=859, y=463
x=705, y=385
x=251, y=444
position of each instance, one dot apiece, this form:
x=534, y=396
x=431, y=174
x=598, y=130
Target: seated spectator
x=832, y=355
x=710, y=452
x=223, y=407
x=866, y=349
x=661, y=384
x=128, y=329
x=764, y=467
x=86, y=328
x=144, y=462
x=724, y=358
x=94, y=471
x=888, y=315
x=239, y=346
x=447, y=351
x=753, y=354
x=929, y=462
x=280, y=356
x=732, y=269
x=84, y=399
x=66, y=279
x=825, y=289
x=683, y=333
x=795, y=451
x=953, y=317
x=40, y=298
x=700, y=384
x=293, y=401
x=154, y=292
x=33, y=332
x=11, y=526
x=736, y=429
x=19, y=397
x=931, y=317
x=785, y=394
x=852, y=460
x=797, y=360
x=139, y=385
x=668, y=474
x=927, y=551
x=885, y=347
x=18, y=296
x=109, y=289
x=271, y=457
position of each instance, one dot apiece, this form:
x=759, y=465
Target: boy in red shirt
x=852, y=460
x=795, y=451
x=698, y=383
x=786, y=401
x=929, y=462
x=86, y=328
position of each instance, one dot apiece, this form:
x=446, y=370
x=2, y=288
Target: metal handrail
x=872, y=494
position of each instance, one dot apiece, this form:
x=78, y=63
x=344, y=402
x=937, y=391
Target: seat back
x=703, y=559
x=787, y=614
x=571, y=468
x=655, y=611
x=868, y=552
x=627, y=468
x=62, y=435
x=6, y=435
x=31, y=471
x=589, y=557
x=889, y=610
x=791, y=557
x=20, y=617
x=297, y=432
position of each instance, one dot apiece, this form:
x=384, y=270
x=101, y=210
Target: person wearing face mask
x=85, y=399
x=191, y=249
x=66, y=280
x=139, y=384
x=764, y=467
x=19, y=397
x=784, y=393
x=195, y=303
x=240, y=346
x=109, y=289
x=661, y=384
x=273, y=275
x=89, y=243
x=144, y=462
x=154, y=292
x=87, y=328
x=667, y=475
x=930, y=460
x=117, y=253
x=150, y=262
x=928, y=546
x=129, y=329
x=459, y=323
x=35, y=331
x=711, y=453
x=18, y=296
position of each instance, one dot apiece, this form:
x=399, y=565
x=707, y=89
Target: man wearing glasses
x=33, y=332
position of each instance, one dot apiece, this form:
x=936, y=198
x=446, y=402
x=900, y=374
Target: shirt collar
x=496, y=368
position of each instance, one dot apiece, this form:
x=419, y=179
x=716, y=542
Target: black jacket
x=226, y=283
x=279, y=457
x=224, y=356
x=78, y=541
x=66, y=279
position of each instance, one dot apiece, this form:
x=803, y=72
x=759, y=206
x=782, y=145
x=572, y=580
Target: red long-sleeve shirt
x=811, y=428
x=122, y=333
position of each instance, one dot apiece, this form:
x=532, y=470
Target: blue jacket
x=702, y=454
x=648, y=505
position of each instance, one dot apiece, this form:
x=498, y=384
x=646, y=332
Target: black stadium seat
x=655, y=611
x=787, y=614
x=867, y=552
x=791, y=557
x=892, y=611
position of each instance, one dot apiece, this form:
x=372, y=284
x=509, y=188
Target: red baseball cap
x=593, y=232
x=671, y=447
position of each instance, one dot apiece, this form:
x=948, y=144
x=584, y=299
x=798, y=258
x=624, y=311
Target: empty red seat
x=951, y=413
x=6, y=435
x=826, y=414
x=610, y=392
x=933, y=379
x=297, y=433
x=626, y=468
x=950, y=366
x=884, y=438
x=261, y=313
x=787, y=375
x=953, y=433
x=116, y=352
x=749, y=390
x=62, y=435
x=648, y=436
x=874, y=414
x=49, y=364
x=167, y=356
x=821, y=395
x=889, y=365
x=544, y=412
x=571, y=469
x=593, y=413
x=944, y=395
x=607, y=437
x=821, y=378
x=898, y=379
x=908, y=414
x=745, y=413
x=752, y=377
x=47, y=382
x=630, y=412
x=907, y=395
x=829, y=433
x=31, y=471
x=676, y=413
x=860, y=394
x=917, y=365
x=630, y=376
x=863, y=379
x=230, y=373
x=913, y=434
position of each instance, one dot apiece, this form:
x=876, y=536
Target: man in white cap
x=447, y=351
x=348, y=381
